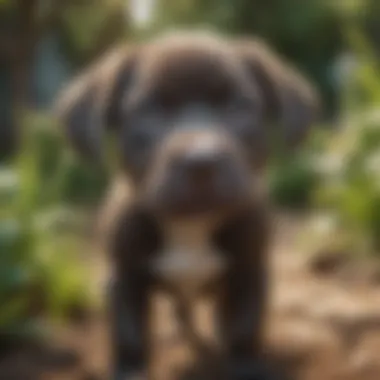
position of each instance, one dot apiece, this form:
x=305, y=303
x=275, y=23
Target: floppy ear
x=287, y=95
x=91, y=102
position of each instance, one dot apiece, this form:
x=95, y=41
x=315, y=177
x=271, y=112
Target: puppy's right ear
x=288, y=96
x=91, y=103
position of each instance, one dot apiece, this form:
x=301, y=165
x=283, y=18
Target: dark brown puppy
x=192, y=115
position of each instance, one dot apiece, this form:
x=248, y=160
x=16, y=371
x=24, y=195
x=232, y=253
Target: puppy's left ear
x=287, y=95
x=91, y=103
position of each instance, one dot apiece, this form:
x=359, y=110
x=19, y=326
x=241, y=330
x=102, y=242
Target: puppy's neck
x=190, y=234
x=188, y=260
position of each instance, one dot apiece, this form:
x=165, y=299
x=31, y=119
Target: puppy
x=192, y=114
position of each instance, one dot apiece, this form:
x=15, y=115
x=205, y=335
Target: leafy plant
x=351, y=180
x=352, y=187
x=41, y=269
x=293, y=182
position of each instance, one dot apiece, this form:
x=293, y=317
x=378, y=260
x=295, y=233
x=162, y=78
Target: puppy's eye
x=218, y=97
x=168, y=102
x=143, y=138
x=242, y=104
x=243, y=117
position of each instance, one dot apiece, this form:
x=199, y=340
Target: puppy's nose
x=202, y=164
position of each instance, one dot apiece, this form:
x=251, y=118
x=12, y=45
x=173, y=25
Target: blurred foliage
x=350, y=160
x=350, y=191
x=42, y=224
x=293, y=182
x=65, y=178
x=88, y=27
x=85, y=27
x=64, y=35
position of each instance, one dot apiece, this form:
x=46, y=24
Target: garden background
x=49, y=199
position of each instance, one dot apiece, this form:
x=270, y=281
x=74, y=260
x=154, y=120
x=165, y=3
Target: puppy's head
x=192, y=115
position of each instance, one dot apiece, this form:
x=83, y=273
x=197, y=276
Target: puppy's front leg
x=134, y=240
x=242, y=309
x=129, y=329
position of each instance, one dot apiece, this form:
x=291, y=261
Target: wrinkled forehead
x=190, y=66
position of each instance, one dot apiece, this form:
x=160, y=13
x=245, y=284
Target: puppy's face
x=191, y=114
x=191, y=126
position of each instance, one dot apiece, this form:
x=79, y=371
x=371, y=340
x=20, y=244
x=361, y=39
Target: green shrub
x=293, y=182
x=80, y=184
x=351, y=189
x=294, y=178
x=62, y=176
x=351, y=185
x=41, y=271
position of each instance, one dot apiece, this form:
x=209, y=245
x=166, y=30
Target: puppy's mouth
x=181, y=197
x=197, y=203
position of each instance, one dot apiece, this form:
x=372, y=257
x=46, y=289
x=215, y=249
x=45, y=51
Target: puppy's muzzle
x=202, y=165
x=198, y=171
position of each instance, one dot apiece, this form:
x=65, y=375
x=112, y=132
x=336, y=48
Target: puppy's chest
x=188, y=260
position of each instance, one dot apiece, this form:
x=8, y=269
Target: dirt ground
x=320, y=328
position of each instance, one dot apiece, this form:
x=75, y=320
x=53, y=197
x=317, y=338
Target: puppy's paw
x=253, y=370
x=130, y=375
